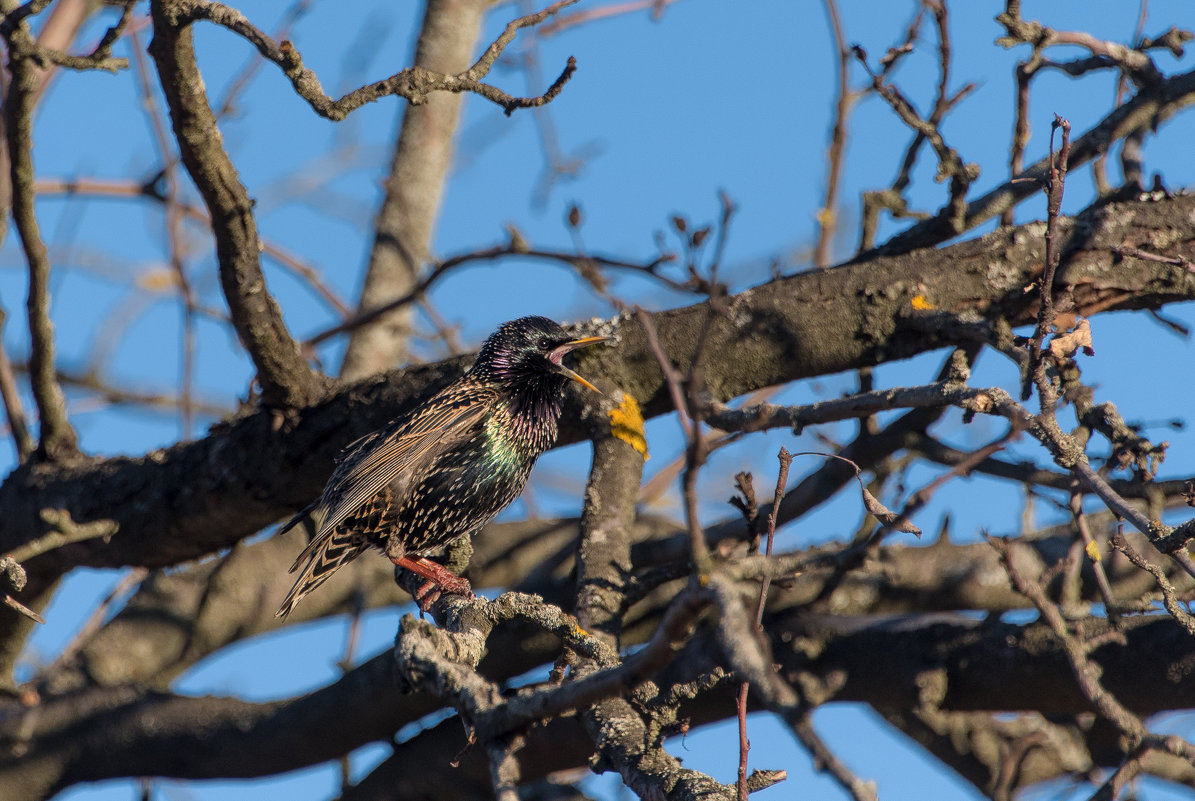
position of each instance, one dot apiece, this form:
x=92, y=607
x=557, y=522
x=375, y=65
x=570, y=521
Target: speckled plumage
x=446, y=469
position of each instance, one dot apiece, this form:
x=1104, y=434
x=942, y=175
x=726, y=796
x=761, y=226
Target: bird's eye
x=544, y=344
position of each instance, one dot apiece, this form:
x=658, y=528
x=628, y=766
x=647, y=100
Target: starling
x=443, y=471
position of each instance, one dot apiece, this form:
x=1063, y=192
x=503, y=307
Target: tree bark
x=194, y=498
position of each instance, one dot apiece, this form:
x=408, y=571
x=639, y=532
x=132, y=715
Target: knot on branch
x=13, y=572
x=443, y=661
x=16, y=577
x=763, y=779
x=438, y=661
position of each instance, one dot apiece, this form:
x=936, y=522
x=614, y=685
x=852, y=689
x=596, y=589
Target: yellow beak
x=568, y=347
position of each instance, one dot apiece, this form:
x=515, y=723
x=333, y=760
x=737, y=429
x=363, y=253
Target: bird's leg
x=438, y=579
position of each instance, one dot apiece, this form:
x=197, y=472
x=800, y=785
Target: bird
x=441, y=472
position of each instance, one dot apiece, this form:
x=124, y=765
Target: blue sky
x=715, y=96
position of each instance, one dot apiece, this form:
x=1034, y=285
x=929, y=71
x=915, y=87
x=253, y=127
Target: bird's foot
x=437, y=580
x=430, y=591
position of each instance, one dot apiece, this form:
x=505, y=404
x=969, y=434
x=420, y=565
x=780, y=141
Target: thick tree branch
x=804, y=325
x=286, y=379
x=657, y=645
x=604, y=563
x=125, y=731
x=63, y=746
x=174, y=620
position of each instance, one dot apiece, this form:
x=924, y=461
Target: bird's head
x=531, y=350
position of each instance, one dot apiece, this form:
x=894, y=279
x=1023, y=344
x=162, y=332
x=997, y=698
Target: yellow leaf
x=1093, y=551
x=921, y=303
x=626, y=423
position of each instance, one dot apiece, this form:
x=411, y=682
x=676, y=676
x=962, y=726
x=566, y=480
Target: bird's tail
x=302, y=513
x=322, y=557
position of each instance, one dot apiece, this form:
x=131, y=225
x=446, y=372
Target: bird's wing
x=392, y=460
x=360, y=443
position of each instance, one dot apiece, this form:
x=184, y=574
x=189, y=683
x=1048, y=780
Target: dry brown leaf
x=886, y=515
x=1064, y=346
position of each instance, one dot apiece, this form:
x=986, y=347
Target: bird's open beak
x=557, y=357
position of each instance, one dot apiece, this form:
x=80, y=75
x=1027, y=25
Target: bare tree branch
x=22, y=439
x=664, y=633
x=57, y=440
x=801, y=344
x=1143, y=112
x=285, y=378
x=413, y=83
x=366, y=704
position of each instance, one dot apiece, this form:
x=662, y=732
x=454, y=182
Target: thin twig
x=14, y=604
x=101, y=187
x=24, y=47
x=827, y=217
x=1144, y=111
x=689, y=413
x=565, y=21
x=413, y=83
x=744, y=743
x=21, y=438
x=345, y=665
x=1036, y=372
x=1091, y=549
x=952, y=216
x=1137, y=253
x=786, y=461
x=253, y=65
x=441, y=269
x=63, y=531
x=672, y=378
x=58, y=439
x=1021, y=128
x=94, y=621
x=828, y=761
x=1086, y=673
x=174, y=237
x=556, y=164
x=1098, y=168
x=118, y=393
x=1169, y=596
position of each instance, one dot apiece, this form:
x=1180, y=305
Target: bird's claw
x=430, y=591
